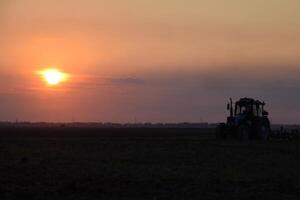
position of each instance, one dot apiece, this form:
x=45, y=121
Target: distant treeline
x=130, y=125
x=109, y=125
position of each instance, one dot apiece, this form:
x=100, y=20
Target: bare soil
x=86, y=163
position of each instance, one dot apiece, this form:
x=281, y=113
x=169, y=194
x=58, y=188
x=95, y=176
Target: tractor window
x=255, y=110
x=260, y=111
x=243, y=110
x=237, y=110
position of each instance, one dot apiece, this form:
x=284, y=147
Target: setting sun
x=53, y=76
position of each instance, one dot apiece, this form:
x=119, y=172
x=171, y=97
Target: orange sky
x=130, y=49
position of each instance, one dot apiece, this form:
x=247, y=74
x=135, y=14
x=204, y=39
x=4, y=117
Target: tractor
x=247, y=120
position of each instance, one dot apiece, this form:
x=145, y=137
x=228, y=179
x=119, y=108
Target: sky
x=156, y=61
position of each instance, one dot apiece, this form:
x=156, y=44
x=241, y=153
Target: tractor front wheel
x=220, y=132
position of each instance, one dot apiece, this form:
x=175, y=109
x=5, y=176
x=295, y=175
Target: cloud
x=128, y=81
x=92, y=81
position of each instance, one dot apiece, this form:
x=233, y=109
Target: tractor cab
x=246, y=109
x=252, y=107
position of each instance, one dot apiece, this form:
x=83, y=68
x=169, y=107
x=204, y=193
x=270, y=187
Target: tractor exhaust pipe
x=231, y=108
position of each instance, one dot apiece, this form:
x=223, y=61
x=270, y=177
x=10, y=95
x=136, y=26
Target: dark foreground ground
x=53, y=163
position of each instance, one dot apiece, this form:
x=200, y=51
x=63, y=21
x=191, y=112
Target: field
x=87, y=163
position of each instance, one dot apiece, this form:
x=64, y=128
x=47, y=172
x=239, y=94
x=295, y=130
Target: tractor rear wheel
x=243, y=132
x=263, y=132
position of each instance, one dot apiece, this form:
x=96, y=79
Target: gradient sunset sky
x=158, y=61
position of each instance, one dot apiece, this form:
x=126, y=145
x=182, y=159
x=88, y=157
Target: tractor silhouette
x=247, y=120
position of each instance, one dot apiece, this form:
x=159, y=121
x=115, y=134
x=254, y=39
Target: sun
x=53, y=76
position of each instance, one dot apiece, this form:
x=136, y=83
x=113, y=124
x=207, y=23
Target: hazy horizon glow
x=167, y=61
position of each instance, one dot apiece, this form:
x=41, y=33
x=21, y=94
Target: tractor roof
x=249, y=101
